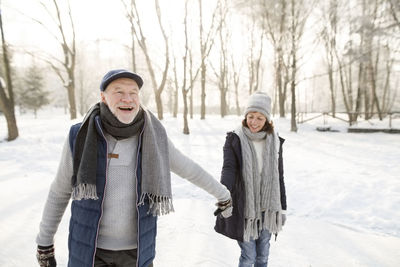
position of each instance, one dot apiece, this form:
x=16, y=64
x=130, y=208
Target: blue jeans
x=255, y=251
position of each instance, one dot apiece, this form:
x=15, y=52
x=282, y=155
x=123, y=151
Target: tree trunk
x=175, y=109
x=332, y=90
x=159, y=105
x=135, y=20
x=11, y=121
x=237, y=101
x=176, y=90
x=203, y=91
x=361, y=84
x=203, y=66
x=191, y=101
x=343, y=87
x=191, y=84
x=374, y=94
x=185, y=112
x=133, y=52
x=69, y=59
x=184, y=91
x=282, y=96
x=386, y=87
x=223, y=104
x=7, y=103
x=293, y=125
x=71, y=99
x=374, y=76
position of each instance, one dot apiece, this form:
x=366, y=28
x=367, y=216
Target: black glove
x=224, y=208
x=45, y=256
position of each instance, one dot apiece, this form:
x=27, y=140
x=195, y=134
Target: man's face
x=122, y=98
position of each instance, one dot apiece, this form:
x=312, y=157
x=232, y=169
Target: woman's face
x=255, y=121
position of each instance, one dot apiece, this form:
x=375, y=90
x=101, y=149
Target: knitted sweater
x=119, y=213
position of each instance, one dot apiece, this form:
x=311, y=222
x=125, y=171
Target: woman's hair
x=268, y=126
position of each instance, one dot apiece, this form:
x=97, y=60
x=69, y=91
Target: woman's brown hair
x=268, y=126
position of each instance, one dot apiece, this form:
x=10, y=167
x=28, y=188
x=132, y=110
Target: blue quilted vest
x=86, y=214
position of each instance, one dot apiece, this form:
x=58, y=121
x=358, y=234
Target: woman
x=253, y=173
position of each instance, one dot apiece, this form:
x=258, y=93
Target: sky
x=94, y=19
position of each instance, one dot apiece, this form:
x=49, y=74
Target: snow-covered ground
x=343, y=194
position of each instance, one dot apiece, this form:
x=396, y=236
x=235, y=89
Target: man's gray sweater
x=118, y=228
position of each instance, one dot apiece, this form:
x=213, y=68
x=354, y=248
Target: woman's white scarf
x=262, y=193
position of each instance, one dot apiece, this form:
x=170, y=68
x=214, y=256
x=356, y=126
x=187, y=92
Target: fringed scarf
x=262, y=200
x=156, y=176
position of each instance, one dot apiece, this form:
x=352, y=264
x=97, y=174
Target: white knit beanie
x=259, y=102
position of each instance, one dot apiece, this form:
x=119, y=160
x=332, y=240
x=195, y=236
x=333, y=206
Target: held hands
x=224, y=208
x=45, y=256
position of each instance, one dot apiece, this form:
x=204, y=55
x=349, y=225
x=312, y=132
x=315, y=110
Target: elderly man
x=115, y=166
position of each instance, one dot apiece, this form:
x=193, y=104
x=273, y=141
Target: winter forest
x=204, y=56
x=331, y=65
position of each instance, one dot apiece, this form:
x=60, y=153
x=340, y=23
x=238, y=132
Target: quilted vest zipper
x=104, y=193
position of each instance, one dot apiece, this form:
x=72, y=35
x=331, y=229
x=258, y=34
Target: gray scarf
x=156, y=174
x=262, y=194
x=156, y=177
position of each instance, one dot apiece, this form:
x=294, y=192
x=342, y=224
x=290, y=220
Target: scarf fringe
x=84, y=191
x=158, y=205
x=272, y=221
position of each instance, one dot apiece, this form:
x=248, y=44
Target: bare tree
x=254, y=59
x=388, y=96
x=329, y=36
x=270, y=16
x=222, y=74
x=188, y=82
x=299, y=12
x=206, y=43
x=136, y=27
x=275, y=25
x=184, y=79
x=365, y=62
x=370, y=30
x=65, y=68
x=191, y=84
x=236, y=80
x=7, y=94
x=345, y=60
x=395, y=11
x=176, y=89
x=131, y=18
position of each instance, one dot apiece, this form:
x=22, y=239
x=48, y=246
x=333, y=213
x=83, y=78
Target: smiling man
x=122, y=98
x=116, y=166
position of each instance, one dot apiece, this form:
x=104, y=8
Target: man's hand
x=224, y=208
x=45, y=256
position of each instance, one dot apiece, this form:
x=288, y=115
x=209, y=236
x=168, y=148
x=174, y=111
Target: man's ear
x=102, y=97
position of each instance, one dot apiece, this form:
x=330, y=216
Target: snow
x=343, y=194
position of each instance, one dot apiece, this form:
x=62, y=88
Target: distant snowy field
x=343, y=194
